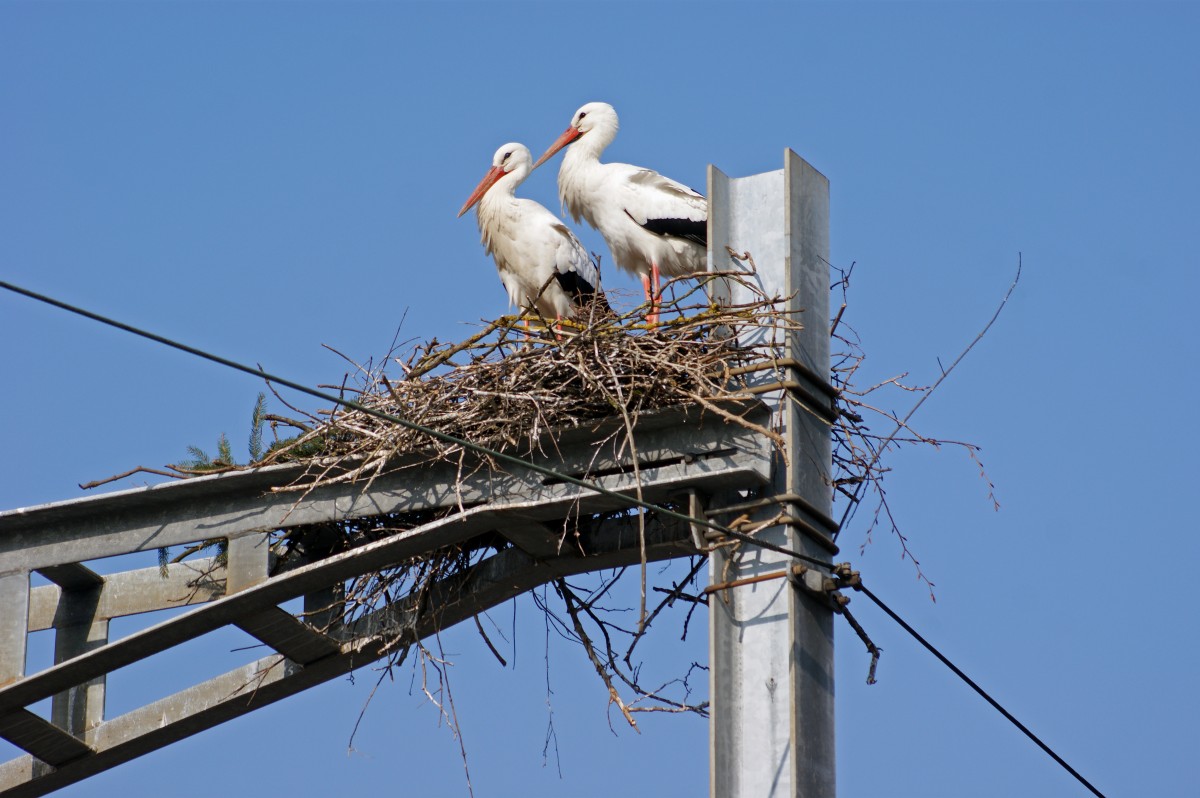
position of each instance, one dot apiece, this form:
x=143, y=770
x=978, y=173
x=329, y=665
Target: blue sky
x=260, y=179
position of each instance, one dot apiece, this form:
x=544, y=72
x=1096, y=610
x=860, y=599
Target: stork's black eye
x=505, y=158
x=582, y=114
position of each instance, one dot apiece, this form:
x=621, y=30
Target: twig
x=674, y=593
x=570, y=600
x=488, y=641
x=903, y=423
x=139, y=470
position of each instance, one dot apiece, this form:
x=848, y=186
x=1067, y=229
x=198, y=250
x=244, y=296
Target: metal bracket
x=703, y=537
x=795, y=511
x=824, y=587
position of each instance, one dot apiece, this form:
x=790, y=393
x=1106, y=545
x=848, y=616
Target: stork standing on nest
x=541, y=262
x=653, y=225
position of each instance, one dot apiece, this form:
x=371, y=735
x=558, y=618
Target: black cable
x=403, y=422
x=995, y=704
x=545, y=471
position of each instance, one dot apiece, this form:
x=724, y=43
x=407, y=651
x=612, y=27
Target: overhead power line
x=404, y=422
x=971, y=683
x=549, y=472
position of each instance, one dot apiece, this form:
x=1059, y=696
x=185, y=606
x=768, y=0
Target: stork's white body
x=541, y=263
x=650, y=223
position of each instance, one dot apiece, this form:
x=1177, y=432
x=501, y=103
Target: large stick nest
x=521, y=380
x=516, y=386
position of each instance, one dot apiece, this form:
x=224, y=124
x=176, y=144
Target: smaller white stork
x=541, y=262
x=652, y=224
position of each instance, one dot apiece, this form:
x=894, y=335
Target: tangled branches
x=518, y=388
x=524, y=387
x=858, y=452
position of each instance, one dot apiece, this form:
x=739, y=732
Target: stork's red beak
x=489, y=180
x=569, y=135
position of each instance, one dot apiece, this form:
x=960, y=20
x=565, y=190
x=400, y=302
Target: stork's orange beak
x=489, y=180
x=569, y=135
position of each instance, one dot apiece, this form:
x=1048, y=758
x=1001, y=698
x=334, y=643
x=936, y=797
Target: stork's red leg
x=656, y=300
x=651, y=299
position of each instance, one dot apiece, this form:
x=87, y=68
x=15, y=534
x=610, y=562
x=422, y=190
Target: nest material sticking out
x=515, y=387
x=509, y=385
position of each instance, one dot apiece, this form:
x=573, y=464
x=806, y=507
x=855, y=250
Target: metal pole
x=771, y=642
x=14, y=625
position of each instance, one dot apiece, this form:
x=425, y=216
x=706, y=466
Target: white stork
x=533, y=250
x=652, y=224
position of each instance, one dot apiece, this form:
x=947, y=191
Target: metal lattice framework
x=771, y=642
x=679, y=451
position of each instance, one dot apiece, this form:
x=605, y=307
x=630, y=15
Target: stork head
x=599, y=117
x=511, y=159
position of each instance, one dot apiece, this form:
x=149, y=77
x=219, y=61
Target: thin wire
x=399, y=420
x=995, y=704
x=403, y=422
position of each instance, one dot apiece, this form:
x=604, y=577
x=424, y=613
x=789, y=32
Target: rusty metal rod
x=749, y=580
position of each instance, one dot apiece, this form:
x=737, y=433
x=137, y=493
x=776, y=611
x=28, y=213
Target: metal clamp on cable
x=806, y=578
x=820, y=586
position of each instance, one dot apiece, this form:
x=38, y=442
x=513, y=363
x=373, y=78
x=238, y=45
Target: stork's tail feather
x=580, y=290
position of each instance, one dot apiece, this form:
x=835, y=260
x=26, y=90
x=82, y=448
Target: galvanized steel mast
x=771, y=642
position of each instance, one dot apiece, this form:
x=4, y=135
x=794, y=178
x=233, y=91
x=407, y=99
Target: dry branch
x=517, y=385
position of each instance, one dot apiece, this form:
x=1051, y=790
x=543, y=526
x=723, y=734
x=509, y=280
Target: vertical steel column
x=324, y=609
x=771, y=643
x=80, y=708
x=14, y=625
x=246, y=561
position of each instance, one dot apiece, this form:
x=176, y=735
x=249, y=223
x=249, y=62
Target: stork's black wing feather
x=691, y=229
x=580, y=290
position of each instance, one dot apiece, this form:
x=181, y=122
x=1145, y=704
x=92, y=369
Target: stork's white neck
x=503, y=189
x=498, y=201
x=591, y=144
x=580, y=170
x=508, y=184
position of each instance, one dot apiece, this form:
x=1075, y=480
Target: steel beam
x=49, y=743
x=246, y=561
x=14, y=624
x=771, y=645
x=555, y=501
x=72, y=576
x=130, y=593
x=614, y=543
x=80, y=707
x=229, y=505
x=677, y=454
x=295, y=639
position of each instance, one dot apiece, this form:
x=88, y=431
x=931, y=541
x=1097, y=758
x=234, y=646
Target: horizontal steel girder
x=675, y=453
